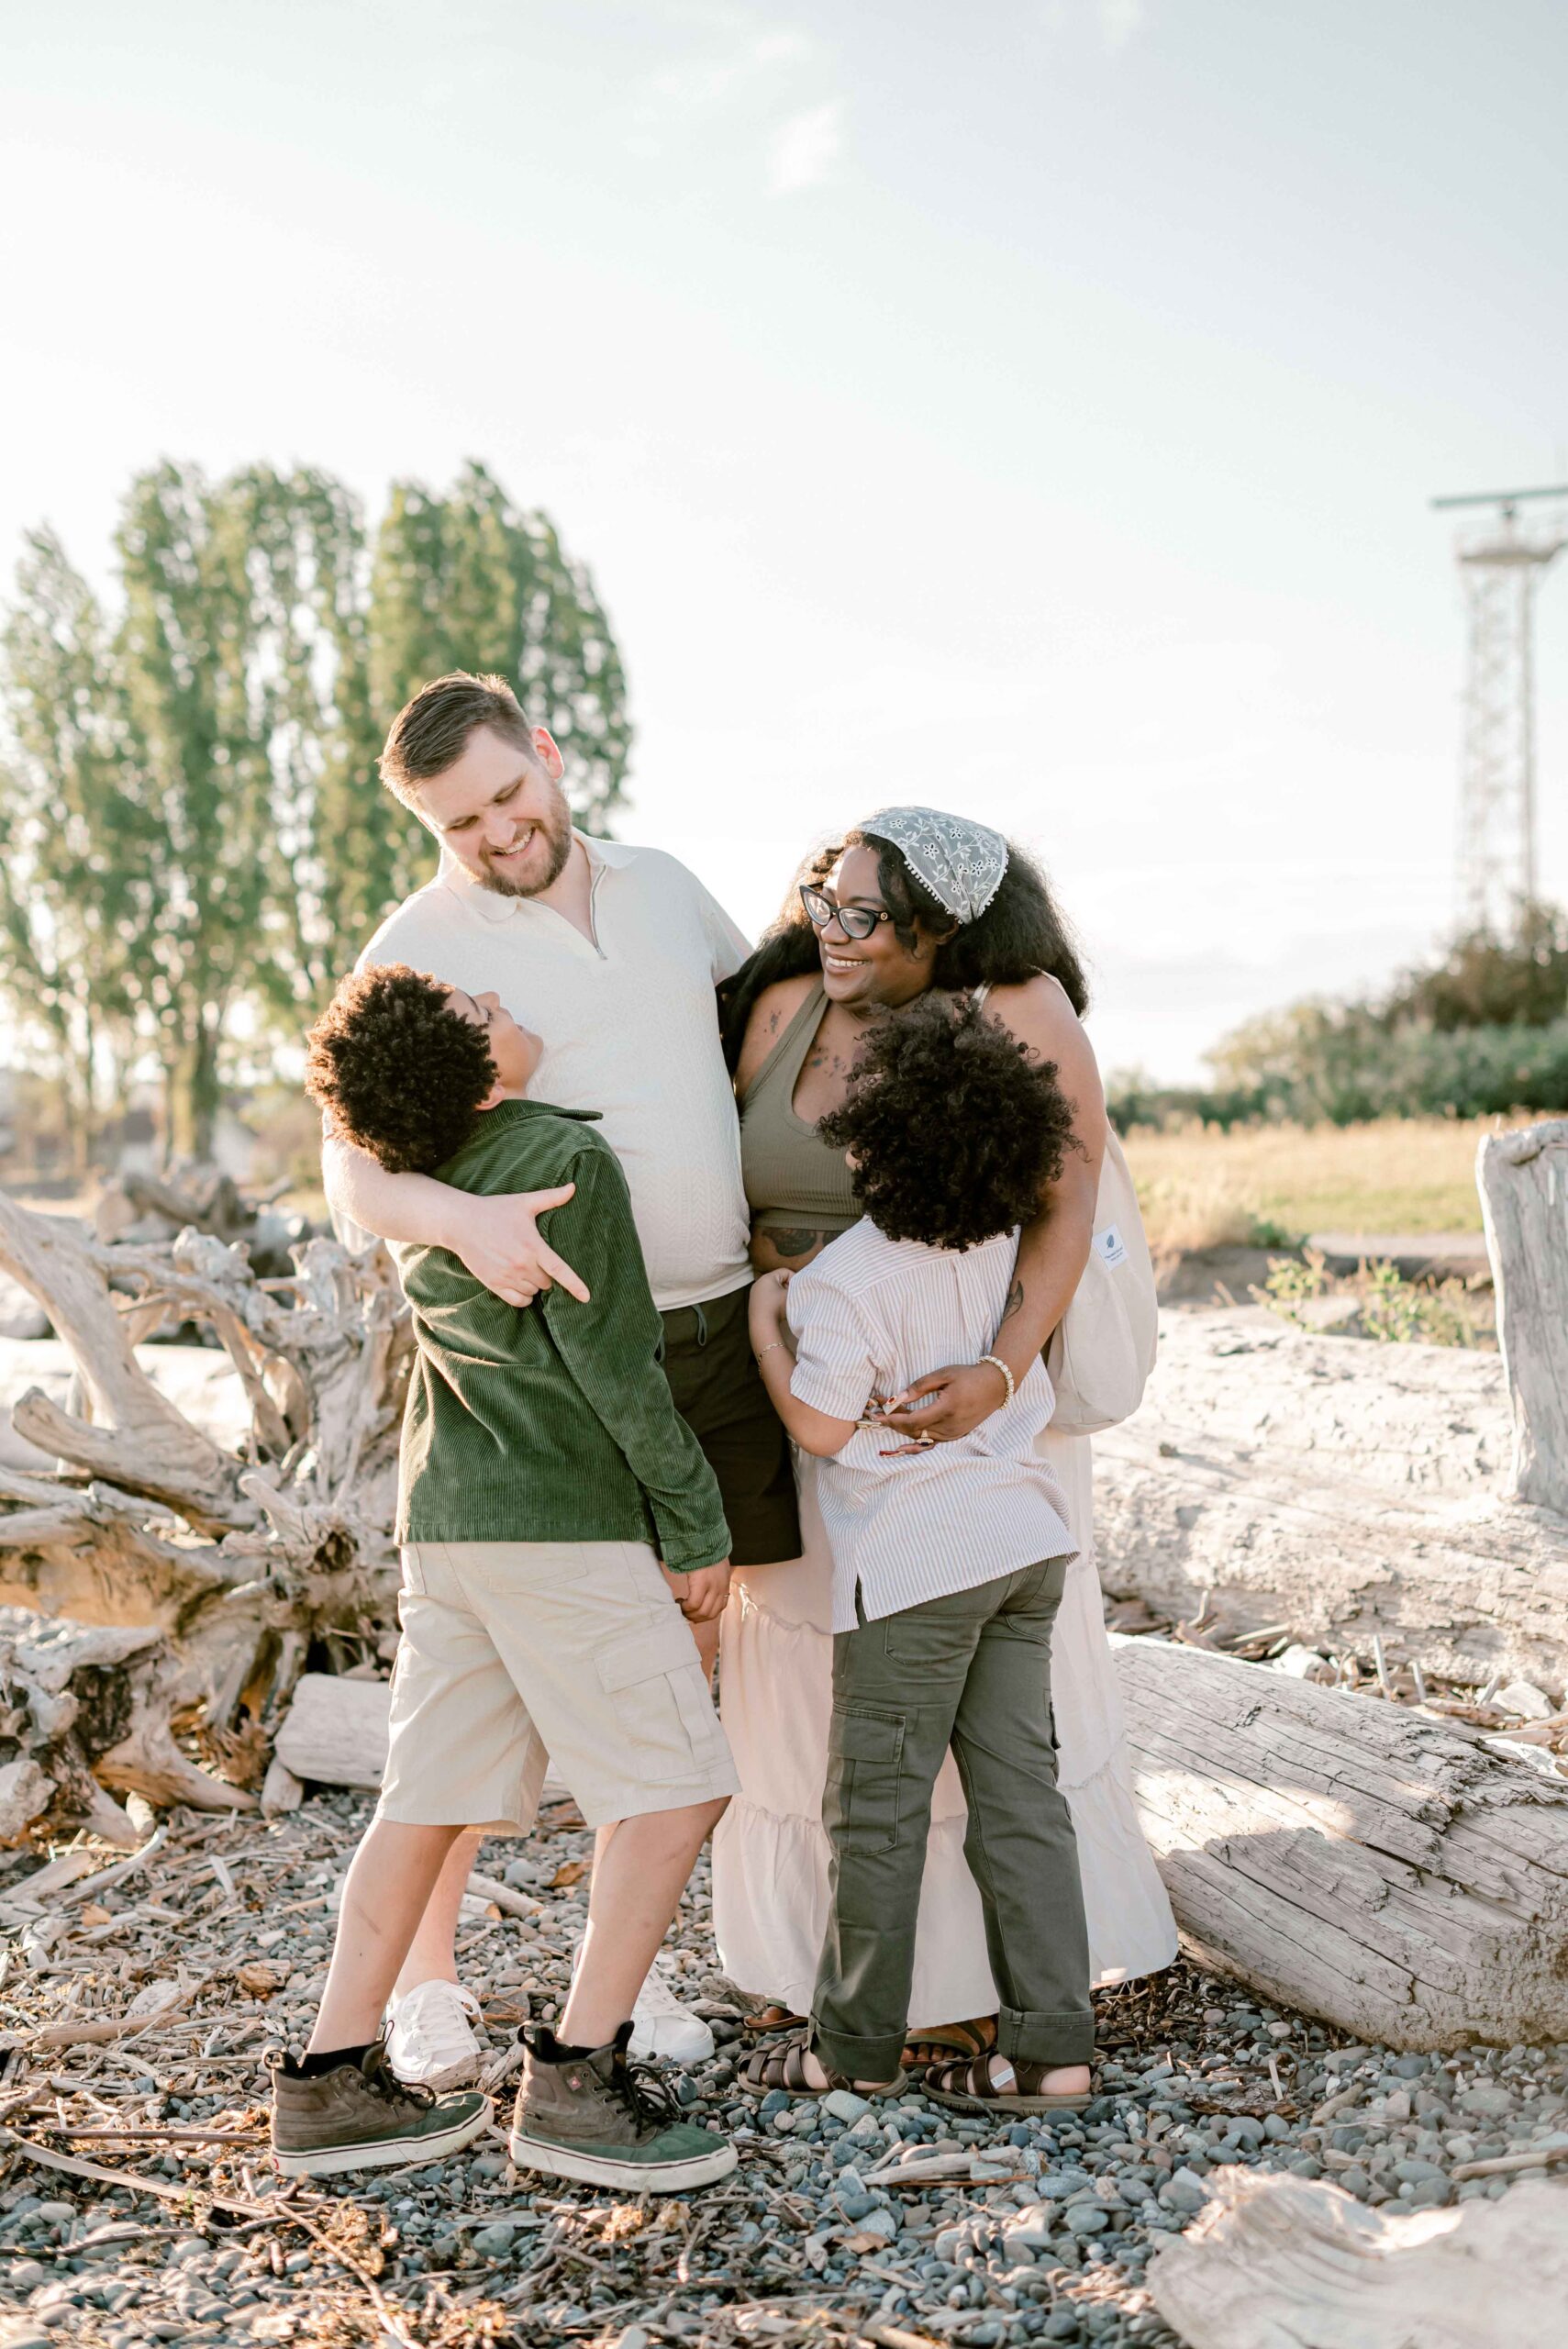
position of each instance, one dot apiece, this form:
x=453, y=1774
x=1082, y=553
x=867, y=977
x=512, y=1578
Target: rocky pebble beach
x=897, y=2222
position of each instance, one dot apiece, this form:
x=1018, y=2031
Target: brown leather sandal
x=977, y=2037
x=771, y=2018
x=967, y=2087
x=783, y=2066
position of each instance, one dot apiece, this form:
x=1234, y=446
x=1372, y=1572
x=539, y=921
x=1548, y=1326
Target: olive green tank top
x=793, y=1179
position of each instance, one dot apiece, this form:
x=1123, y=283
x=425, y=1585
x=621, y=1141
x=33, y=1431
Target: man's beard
x=556, y=832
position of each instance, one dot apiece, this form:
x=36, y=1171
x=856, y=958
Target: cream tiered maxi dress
x=769, y=1866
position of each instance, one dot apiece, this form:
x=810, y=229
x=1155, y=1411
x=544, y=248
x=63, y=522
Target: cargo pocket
x=661, y=1702
x=859, y=1799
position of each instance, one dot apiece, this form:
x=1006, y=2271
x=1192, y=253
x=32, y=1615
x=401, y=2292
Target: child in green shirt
x=551, y=1505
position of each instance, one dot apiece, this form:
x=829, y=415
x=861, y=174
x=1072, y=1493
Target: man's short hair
x=399, y=1070
x=430, y=733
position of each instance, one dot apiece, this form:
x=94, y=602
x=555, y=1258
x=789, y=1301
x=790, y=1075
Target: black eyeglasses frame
x=855, y=922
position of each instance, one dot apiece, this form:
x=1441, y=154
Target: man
x=612, y=953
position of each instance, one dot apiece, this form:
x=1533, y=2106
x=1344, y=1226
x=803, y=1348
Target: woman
x=913, y=899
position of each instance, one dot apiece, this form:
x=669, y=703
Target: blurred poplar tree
x=189, y=812
x=77, y=848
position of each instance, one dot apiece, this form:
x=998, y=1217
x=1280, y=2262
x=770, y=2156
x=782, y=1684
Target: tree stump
x=1349, y=1857
x=1523, y=1181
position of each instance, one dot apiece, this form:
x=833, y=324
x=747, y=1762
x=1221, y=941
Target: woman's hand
x=966, y=1393
x=497, y=1238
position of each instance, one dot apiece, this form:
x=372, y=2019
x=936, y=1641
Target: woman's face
x=861, y=972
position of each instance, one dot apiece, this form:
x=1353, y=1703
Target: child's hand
x=765, y=1307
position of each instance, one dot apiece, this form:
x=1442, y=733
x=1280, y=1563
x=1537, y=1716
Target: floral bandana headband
x=961, y=863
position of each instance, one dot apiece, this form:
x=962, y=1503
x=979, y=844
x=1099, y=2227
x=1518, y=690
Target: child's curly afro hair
x=397, y=1070
x=952, y=1132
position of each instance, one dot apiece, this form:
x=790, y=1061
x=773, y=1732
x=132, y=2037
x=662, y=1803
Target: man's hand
x=499, y=1242
x=702, y=1596
x=966, y=1393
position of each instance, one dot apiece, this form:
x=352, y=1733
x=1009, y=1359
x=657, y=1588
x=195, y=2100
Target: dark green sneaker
x=361, y=2115
x=606, y=2121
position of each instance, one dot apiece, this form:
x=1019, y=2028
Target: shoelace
x=380, y=2077
x=647, y=2091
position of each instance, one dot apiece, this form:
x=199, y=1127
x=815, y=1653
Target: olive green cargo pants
x=970, y=1670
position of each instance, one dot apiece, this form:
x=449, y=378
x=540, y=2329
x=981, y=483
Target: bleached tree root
x=84, y=1714
x=247, y=1558
x=1349, y=1857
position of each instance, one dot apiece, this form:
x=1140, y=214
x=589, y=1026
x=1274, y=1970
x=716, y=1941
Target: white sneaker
x=430, y=2041
x=661, y=2026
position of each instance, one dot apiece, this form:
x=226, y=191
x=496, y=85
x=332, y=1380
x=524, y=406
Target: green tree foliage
x=190, y=812
x=1485, y=981
x=1484, y=1030
x=78, y=847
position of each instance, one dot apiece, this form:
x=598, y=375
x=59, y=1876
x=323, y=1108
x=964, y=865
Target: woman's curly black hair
x=952, y=1132
x=397, y=1070
x=1020, y=934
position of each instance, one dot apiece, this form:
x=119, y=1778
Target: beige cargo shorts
x=519, y=1653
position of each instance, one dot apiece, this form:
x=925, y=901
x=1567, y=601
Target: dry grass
x=1204, y=1188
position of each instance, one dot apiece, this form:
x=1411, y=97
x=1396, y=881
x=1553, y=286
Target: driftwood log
x=1343, y=1490
x=1523, y=1181
x=1349, y=1857
x=1276, y=2262
x=251, y=1557
x=1353, y=1491
x=335, y=1731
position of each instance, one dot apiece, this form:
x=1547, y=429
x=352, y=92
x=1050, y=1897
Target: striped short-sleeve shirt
x=868, y=1316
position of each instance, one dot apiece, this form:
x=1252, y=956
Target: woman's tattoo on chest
x=794, y=1242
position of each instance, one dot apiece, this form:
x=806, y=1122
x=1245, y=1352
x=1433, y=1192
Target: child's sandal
x=783, y=2066
x=967, y=2087
x=952, y=2040
x=770, y=2019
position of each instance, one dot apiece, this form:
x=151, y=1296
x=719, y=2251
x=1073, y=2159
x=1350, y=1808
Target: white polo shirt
x=629, y=1027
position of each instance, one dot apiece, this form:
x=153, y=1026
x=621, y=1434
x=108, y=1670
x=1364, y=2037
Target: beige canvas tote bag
x=1103, y=1348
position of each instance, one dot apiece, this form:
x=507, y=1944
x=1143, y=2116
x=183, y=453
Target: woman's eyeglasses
x=855, y=922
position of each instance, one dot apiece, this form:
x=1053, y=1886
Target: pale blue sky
x=1029, y=409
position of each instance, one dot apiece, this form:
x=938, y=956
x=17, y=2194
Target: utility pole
x=1501, y=561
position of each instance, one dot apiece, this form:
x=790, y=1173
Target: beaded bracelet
x=997, y=1364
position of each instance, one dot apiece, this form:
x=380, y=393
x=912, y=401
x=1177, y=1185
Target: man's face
x=502, y=812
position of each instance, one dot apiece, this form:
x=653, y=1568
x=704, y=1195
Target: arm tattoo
x=793, y=1243
x=1015, y=1301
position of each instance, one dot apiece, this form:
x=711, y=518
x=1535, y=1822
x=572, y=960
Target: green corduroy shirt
x=551, y=1422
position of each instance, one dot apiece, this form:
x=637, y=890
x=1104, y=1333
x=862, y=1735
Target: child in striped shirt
x=948, y=1565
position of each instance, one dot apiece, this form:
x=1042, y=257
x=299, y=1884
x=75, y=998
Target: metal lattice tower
x=1501, y=563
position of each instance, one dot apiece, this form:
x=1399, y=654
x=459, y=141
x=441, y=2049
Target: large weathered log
x=1350, y=1858
x=84, y=1708
x=1523, y=1180
x=1344, y=1489
x=1293, y=2262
